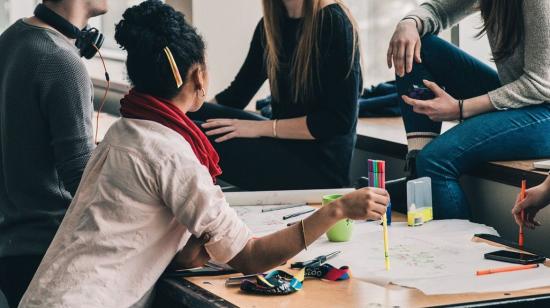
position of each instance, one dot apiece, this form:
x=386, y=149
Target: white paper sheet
x=436, y=258
x=282, y=196
x=262, y=223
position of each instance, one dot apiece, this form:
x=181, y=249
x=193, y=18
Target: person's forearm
x=546, y=185
x=295, y=128
x=414, y=20
x=270, y=251
x=477, y=105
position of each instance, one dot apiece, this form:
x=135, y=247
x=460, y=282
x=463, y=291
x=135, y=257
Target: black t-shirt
x=332, y=111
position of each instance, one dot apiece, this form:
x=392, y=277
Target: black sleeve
x=66, y=100
x=250, y=78
x=335, y=113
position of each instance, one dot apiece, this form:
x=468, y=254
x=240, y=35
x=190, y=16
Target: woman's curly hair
x=144, y=31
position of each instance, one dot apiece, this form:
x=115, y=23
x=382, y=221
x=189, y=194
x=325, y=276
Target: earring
x=203, y=92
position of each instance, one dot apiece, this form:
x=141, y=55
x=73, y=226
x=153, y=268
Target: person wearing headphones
x=45, y=130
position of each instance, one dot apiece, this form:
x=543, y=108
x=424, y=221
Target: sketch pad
x=436, y=258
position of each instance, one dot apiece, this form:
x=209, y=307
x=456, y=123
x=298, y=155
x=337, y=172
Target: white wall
x=21, y=8
x=227, y=27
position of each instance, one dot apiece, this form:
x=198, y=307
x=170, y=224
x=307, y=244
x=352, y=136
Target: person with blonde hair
x=308, y=50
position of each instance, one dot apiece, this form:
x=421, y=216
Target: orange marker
x=506, y=269
x=521, y=198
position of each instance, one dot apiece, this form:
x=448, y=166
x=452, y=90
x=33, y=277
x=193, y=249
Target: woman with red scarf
x=148, y=196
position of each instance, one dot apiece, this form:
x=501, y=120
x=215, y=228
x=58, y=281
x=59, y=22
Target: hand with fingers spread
x=234, y=128
x=443, y=107
x=367, y=203
x=535, y=200
x=405, y=46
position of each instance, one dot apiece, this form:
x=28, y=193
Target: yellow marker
x=301, y=275
x=386, y=244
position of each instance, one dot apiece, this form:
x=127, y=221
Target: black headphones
x=86, y=39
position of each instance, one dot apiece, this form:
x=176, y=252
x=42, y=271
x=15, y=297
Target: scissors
x=315, y=262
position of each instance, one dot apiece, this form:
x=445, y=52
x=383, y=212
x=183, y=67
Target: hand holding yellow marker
x=386, y=244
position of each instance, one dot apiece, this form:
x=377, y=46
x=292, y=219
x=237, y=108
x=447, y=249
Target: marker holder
x=419, y=201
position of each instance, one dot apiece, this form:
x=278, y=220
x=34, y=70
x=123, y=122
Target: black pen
x=297, y=214
x=237, y=280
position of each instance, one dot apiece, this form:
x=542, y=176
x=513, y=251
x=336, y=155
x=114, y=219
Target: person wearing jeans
x=505, y=115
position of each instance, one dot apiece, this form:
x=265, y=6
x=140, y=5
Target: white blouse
x=142, y=195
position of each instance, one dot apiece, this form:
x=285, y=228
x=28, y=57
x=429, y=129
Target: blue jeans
x=513, y=134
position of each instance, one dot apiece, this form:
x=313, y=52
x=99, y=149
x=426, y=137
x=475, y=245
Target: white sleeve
x=187, y=189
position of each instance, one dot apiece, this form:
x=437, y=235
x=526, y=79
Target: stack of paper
x=436, y=258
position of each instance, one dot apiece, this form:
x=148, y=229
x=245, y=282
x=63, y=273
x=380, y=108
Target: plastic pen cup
x=342, y=230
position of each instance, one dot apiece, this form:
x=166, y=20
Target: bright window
x=479, y=48
x=377, y=21
x=4, y=14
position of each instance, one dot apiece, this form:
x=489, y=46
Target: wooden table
x=212, y=292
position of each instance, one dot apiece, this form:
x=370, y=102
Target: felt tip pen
x=506, y=269
x=297, y=214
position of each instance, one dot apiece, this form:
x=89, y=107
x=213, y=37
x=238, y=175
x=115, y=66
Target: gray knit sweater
x=526, y=74
x=45, y=134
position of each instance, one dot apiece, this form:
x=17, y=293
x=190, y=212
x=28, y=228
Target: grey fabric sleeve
x=438, y=15
x=66, y=102
x=533, y=86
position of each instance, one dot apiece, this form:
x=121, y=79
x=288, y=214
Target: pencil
x=297, y=214
x=506, y=269
x=386, y=244
x=283, y=207
x=522, y=197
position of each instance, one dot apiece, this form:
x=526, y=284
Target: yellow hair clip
x=174, y=66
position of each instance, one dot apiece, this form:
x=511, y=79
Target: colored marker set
x=377, y=178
